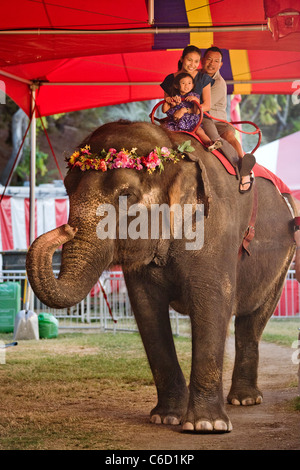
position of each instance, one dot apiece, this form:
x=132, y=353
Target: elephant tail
x=297, y=240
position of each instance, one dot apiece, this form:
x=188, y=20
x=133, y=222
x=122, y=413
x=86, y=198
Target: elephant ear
x=206, y=192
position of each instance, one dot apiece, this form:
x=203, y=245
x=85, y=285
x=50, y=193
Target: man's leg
x=230, y=137
x=212, y=132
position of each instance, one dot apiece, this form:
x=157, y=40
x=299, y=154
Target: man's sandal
x=247, y=163
x=216, y=145
x=250, y=183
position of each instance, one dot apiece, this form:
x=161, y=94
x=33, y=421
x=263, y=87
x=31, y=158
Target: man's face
x=211, y=63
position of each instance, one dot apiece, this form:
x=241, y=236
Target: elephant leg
x=248, y=331
x=151, y=309
x=206, y=411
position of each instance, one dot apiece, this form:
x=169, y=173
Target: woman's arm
x=206, y=98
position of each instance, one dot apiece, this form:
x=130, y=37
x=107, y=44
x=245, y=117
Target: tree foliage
x=276, y=115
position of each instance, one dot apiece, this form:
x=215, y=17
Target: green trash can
x=48, y=326
x=10, y=305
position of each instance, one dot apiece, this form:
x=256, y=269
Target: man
x=211, y=64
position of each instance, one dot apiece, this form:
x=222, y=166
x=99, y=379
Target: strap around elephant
x=250, y=232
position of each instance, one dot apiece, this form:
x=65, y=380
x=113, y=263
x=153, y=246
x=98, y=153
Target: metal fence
x=107, y=307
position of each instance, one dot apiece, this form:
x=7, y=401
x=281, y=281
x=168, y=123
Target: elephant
x=211, y=283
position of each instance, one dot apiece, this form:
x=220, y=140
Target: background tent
x=282, y=158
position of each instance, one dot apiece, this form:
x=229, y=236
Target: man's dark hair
x=213, y=49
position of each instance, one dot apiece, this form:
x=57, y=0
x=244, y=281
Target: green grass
x=56, y=393
x=282, y=331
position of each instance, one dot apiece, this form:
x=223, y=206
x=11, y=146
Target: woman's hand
x=192, y=98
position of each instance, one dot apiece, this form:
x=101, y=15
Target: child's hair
x=176, y=82
x=187, y=51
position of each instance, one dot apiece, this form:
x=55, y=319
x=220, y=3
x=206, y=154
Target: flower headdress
x=107, y=160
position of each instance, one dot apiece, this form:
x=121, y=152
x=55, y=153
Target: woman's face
x=190, y=63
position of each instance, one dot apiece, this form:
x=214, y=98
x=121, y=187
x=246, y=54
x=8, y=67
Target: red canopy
x=89, y=53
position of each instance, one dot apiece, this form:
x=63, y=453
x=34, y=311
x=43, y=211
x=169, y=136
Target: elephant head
x=92, y=193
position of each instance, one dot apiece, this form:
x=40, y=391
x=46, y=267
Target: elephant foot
x=170, y=411
x=205, y=426
x=207, y=419
x=245, y=397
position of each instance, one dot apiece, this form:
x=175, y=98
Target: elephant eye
x=133, y=194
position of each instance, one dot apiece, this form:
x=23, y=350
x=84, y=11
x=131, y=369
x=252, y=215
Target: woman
x=189, y=63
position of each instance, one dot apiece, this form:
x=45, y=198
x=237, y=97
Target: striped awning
x=81, y=54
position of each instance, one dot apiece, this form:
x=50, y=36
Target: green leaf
x=186, y=147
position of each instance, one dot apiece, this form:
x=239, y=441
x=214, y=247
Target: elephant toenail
x=155, y=419
x=248, y=402
x=204, y=426
x=171, y=420
x=188, y=427
x=220, y=425
x=235, y=402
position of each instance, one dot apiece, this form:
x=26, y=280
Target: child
x=179, y=120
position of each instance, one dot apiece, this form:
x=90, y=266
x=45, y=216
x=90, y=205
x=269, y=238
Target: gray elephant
x=209, y=282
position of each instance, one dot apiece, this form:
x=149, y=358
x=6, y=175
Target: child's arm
x=165, y=107
x=170, y=102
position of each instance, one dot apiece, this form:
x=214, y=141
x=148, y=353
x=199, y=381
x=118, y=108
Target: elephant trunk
x=77, y=275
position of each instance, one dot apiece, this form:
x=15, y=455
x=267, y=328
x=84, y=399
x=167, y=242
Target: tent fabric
x=123, y=58
x=14, y=219
x=282, y=158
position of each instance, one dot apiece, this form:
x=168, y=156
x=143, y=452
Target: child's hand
x=172, y=100
x=179, y=113
x=177, y=99
x=192, y=98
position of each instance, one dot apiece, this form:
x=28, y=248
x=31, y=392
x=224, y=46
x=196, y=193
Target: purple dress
x=188, y=121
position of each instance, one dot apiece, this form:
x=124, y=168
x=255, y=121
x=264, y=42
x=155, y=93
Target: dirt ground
x=273, y=425
x=117, y=419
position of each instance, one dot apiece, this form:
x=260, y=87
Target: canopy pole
x=229, y=82
x=150, y=11
x=32, y=165
x=154, y=30
x=32, y=182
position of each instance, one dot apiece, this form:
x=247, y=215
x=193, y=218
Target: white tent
x=282, y=157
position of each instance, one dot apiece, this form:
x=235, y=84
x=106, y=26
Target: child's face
x=186, y=85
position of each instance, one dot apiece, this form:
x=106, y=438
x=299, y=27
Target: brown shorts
x=223, y=127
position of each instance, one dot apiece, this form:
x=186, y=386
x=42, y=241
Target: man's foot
x=216, y=145
x=246, y=183
x=247, y=163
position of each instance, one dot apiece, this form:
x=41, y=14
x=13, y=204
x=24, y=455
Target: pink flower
x=165, y=151
x=138, y=165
